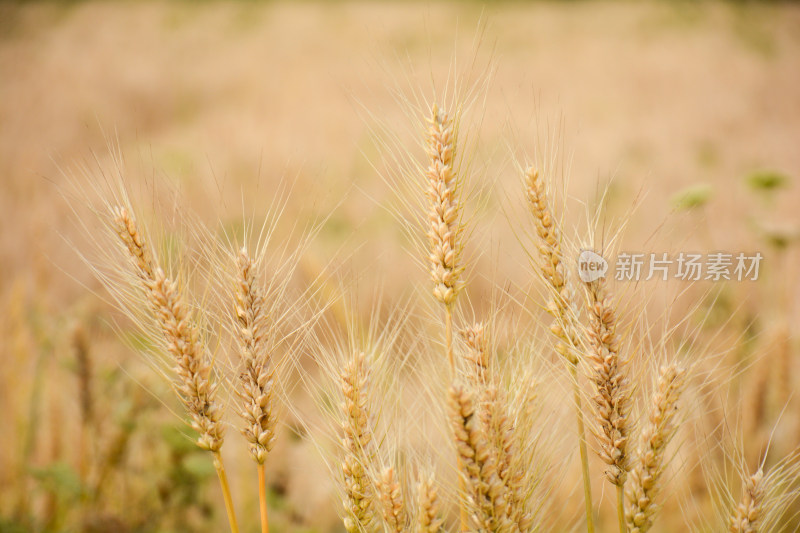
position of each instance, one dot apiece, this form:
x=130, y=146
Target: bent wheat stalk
x=193, y=384
x=561, y=307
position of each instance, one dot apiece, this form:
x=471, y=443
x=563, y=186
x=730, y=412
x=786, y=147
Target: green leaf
x=692, y=197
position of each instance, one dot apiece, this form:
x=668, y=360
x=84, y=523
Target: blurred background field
x=229, y=101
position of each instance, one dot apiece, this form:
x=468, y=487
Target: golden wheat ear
x=445, y=210
x=182, y=337
x=256, y=377
x=390, y=495
x=612, y=399
x=358, y=445
x=184, y=342
x=561, y=306
x=494, y=412
x=484, y=492
x=428, y=512
x=644, y=487
x=768, y=496
x=748, y=513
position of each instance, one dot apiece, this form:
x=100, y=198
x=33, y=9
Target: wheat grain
x=562, y=307
x=552, y=267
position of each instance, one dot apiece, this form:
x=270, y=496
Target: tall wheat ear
x=194, y=382
x=645, y=482
x=266, y=309
x=562, y=305
x=612, y=399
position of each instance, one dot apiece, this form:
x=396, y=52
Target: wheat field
x=317, y=266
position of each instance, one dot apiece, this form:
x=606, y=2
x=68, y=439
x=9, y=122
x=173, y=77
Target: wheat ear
x=444, y=217
x=485, y=493
x=256, y=378
x=194, y=385
x=493, y=413
x=645, y=483
x=748, y=513
x=477, y=354
x=357, y=442
x=561, y=306
x=612, y=398
x=391, y=497
x=445, y=228
x=428, y=512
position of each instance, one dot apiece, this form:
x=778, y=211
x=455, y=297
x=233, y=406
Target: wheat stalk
x=561, y=307
x=645, y=483
x=612, y=398
x=183, y=340
x=445, y=227
x=255, y=378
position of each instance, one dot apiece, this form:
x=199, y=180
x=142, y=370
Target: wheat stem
x=587, y=483
x=561, y=307
x=262, y=498
x=448, y=337
x=226, y=492
x=623, y=527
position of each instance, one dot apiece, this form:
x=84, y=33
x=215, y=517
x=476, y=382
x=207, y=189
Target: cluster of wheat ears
x=489, y=420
